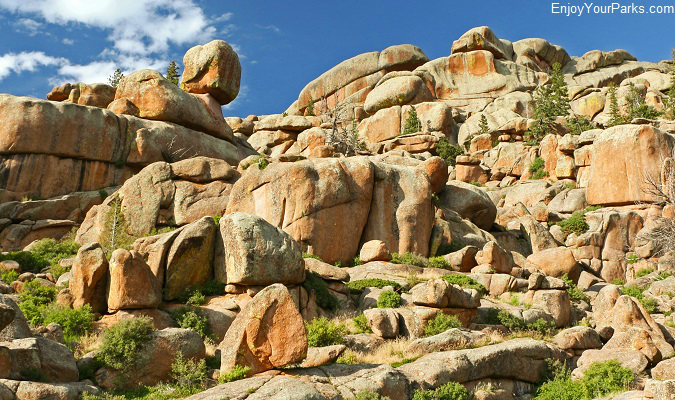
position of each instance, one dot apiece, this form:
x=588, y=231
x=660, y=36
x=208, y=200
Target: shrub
x=369, y=395
x=409, y=259
x=389, y=299
x=441, y=323
x=449, y=391
x=33, y=298
x=601, y=379
x=578, y=124
x=9, y=276
x=537, y=170
x=323, y=332
x=189, y=318
x=309, y=111
x=573, y=291
x=324, y=298
x=465, y=281
x=188, y=374
x=636, y=106
x=483, y=126
x=542, y=326
x=235, y=374
x=438, y=262
x=510, y=321
x=314, y=256
x=76, y=322
x=576, y=223
x=361, y=284
x=122, y=343
x=43, y=253
x=447, y=151
x=644, y=272
x=361, y=324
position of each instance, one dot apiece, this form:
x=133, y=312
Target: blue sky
x=283, y=44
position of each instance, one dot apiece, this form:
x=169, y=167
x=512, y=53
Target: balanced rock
x=212, y=68
x=132, y=283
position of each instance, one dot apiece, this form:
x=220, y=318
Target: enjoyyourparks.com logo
x=589, y=8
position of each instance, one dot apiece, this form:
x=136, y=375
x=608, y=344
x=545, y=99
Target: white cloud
x=26, y=61
x=30, y=26
x=270, y=27
x=141, y=33
x=135, y=26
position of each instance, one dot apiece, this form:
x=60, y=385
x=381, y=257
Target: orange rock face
x=268, y=333
x=623, y=156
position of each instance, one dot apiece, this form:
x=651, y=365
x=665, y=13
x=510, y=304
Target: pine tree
x=115, y=78
x=615, y=117
x=670, y=104
x=550, y=101
x=412, y=123
x=172, y=73
x=483, y=126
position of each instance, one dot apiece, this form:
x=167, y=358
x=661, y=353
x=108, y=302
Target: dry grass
x=391, y=351
x=89, y=342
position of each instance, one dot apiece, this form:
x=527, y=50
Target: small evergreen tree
x=615, y=117
x=483, y=127
x=636, y=106
x=172, y=73
x=115, y=78
x=412, y=123
x=309, y=111
x=550, y=101
x=670, y=103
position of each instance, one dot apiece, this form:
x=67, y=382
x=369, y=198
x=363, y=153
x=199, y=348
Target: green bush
x=188, y=374
x=307, y=255
x=76, y=322
x=537, y=170
x=449, y=391
x=324, y=298
x=361, y=284
x=361, y=324
x=196, y=295
x=549, y=102
x=235, y=374
x=542, y=326
x=465, y=281
x=189, y=318
x=409, y=259
x=43, y=253
x=636, y=106
x=9, y=276
x=576, y=223
x=122, y=343
x=389, y=299
x=635, y=291
x=578, y=124
x=574, y=292
x=323, y=332
x=438, y=262
x=441, y=323
x=447, y=151
x=600, y=379
x=644, y=272
x=511, y=321
x=33, y=298
x=369, y=395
